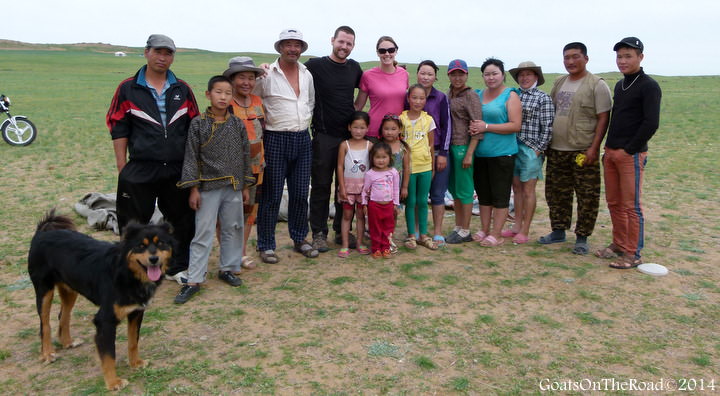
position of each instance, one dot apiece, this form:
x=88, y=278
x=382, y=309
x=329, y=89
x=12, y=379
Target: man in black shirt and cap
x=634, y=120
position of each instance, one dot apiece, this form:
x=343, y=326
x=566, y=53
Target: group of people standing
x=216, y=172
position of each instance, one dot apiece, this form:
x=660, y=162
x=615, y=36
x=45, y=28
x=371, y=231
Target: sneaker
x=386, y=254
x=352, y=241
x=269, y=257
x=181, y=277
x=344, y=253
x=229, y=278
x=186, y=292
x=319, y=242
x=454, y=238
x=306, y=249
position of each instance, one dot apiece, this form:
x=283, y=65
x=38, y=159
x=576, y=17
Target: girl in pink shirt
x=381, y=198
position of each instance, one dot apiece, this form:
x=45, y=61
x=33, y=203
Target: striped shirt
x=538, y=114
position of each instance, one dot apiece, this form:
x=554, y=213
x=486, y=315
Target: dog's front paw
x=48, y=358
x=117, y=384
x=139, y=363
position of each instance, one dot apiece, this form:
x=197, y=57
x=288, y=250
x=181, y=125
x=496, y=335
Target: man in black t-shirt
x=335, y=78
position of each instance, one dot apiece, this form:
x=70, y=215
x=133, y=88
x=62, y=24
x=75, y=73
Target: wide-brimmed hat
x=528, y=65
x=242, y=64
x=291, y=34
x=160, y=41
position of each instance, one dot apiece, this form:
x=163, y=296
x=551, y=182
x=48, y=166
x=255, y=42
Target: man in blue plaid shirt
x=534, y=137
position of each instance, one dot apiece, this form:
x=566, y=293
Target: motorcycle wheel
x=23, y=135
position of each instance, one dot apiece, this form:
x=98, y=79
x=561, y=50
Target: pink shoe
x=520, y=239
x=479, y=236
x=344, y=253
x=363, y=249
x=491, y=241
x=508, y=233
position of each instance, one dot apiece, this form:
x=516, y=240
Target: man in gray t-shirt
x=582, y=109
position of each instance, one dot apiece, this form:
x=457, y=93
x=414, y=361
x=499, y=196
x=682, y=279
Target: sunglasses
x=390, y=117
x=390, y=50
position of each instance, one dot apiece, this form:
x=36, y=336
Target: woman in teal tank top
x=495, y=153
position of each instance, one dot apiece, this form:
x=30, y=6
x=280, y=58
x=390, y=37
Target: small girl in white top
x=381, y=198
x=351, y=167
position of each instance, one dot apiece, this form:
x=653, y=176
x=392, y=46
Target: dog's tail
x=53, y=221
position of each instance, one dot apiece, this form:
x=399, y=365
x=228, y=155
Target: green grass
x=464, y=320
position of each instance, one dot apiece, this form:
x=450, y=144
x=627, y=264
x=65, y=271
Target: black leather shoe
x=229, y=278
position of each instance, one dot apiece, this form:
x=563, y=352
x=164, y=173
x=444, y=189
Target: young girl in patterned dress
x=351, y=167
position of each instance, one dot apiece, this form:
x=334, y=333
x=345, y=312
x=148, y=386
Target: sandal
x=306, y=249
x=427, y=242
x=610, y=252
x=248, y=263
x=393, y=246
x=520, y=239
x=508, y=233
x=550, y=238
x=479, y=236
x=491, y=241
x=362, y=249
x=269, y=256
x=344, y=253
x=439, y=241
x=410, y=242
x=625, y=262
x=581, y=248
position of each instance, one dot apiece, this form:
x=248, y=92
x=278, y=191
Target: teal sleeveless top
x=495, y=112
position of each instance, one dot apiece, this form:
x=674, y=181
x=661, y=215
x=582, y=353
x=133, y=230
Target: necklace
x=631, y=84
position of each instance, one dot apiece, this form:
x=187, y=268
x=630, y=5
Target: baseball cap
x=457, y=64
x=632, y=42
x=160, y=41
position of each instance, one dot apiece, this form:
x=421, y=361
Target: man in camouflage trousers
x=582, y=108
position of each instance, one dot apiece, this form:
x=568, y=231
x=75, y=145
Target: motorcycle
x=16, y=130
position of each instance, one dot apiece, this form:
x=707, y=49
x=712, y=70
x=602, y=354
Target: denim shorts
x=528, y=165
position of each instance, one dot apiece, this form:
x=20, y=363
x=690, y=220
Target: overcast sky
x=681, y=37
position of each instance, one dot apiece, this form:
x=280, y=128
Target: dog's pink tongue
x=154, y=273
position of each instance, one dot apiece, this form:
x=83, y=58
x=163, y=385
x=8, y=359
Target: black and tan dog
x=120, y=278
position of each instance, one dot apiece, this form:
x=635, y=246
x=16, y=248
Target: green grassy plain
x=466, y=320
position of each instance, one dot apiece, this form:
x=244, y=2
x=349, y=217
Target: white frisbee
x=653, y=269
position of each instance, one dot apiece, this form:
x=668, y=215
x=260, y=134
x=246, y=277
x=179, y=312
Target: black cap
x=632, y=42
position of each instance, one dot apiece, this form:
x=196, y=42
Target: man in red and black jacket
x=148, y=120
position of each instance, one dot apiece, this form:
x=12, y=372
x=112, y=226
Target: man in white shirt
x=289, y=97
